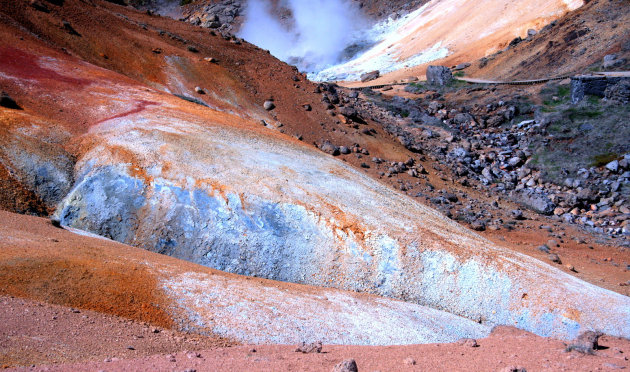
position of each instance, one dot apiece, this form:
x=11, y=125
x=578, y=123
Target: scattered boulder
x=7, y=102
x=586, y=342
x=55, y=222
x=314, y=347
x=369, y=76
x=517, y=214
x=348, y=365
x=199, y=90
x=514, y=369
x=439, y=75
x=329, y=148
x=269, y=105
x=554, y=258
x=192, y=49
x=462, y=66
x=469, y=342
x=538, y=203
x=409, y=361
x=613, y=166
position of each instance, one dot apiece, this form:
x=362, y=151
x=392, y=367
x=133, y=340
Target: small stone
x=269, y=105
x=478, y=225
x=344, y=150
x=192, y=355
x=409, y=361
x=369, y=76
x=312, y=348
x=552, y=243
x=513, y=369
x=517, y=214
x=585, y=343
x=613, y=166
x=210, y=59
x=329, y=148
x=348, y=365
x=198, y=90
x=469, y=342
x=55, y=222
x=171, y=358
x=571, y=268
x=554, y=258
x=131, y=348
x=192, y=49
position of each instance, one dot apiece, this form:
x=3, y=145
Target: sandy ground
x=65, y=339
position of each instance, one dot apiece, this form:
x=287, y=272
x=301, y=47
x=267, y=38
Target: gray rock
x=462, y=66
x=538, y=203
x=348, y=365
x=369, y=76
x=199, y=90
x=463, y=118
x=586, y=342
x=613, y=166
x=586, y=195
x=439, y=75
x=344, y=150
x=531, y=32
x=329, y=148
x=515, y=162
x=517, y=214
x=312, y=348
x=554, y=258
x=544, y=248
x=269, y=105
x=469, y=342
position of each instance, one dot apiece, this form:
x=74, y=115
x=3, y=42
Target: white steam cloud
x=319, y=33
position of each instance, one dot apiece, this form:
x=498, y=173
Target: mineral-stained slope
x=89, y=272
x=449, y=32
x=211, y=185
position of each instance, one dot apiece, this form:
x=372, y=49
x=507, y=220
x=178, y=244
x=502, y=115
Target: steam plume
x=317, y=36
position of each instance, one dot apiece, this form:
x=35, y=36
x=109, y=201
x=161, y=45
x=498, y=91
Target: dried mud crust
x=505, y=348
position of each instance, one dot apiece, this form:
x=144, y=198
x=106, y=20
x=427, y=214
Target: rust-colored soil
x=505, y=348
x=33, y=332
x=55, y=266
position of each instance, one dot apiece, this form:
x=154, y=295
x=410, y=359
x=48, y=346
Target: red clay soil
x=33, y=332
x=505, y=348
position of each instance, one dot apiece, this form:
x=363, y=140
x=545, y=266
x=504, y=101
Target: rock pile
x=488, y=150
x=220, y=15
